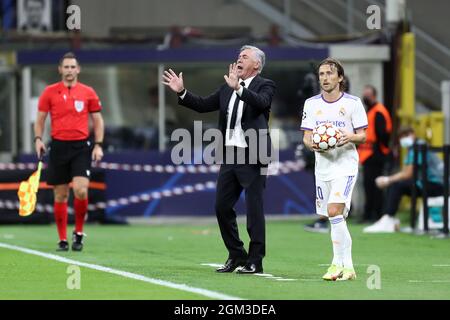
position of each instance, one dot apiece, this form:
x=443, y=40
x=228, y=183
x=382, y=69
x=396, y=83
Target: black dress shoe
x=231, y=264
x=250, y=268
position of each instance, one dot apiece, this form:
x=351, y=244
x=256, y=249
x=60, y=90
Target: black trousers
x=232, y=180
x=398, y=189
x=373, y=206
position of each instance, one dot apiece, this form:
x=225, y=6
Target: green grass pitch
x=411, y=266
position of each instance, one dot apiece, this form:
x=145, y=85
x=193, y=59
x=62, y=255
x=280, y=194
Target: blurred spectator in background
x=274, y=37
x=374, y=154
x=310, y=86
x=176, y=37
x=401, y=183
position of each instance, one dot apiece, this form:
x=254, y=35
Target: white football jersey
x=346, y=113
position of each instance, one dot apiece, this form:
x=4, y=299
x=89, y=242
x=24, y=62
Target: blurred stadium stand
x=124, y=45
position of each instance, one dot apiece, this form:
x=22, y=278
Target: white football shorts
x=338, y=190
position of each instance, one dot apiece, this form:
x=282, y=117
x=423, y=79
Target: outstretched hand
x=174, y=82
x=232, y=79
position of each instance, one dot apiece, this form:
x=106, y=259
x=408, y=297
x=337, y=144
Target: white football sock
x=342, y=242
x=337, y=240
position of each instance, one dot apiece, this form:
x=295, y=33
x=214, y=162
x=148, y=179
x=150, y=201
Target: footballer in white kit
x=336, y=169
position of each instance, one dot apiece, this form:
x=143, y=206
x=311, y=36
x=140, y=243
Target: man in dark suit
x=244, y=106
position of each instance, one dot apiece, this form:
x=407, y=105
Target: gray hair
x=260, y=55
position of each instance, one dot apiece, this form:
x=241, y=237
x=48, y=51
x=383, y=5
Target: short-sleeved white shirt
x=346, y=113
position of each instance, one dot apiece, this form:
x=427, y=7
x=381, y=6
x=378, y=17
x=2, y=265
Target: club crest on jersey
x=79, y=105
x=342, y=112
x=319, y=113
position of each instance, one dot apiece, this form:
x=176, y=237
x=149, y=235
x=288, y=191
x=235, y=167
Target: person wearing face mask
x=374, y=154
x=400, y=184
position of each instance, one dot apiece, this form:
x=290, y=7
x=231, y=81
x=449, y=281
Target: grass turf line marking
x=355, y=264
x=429, y=281
x=286, y=279
x=183, y=287
x=214, y=265
x=441, y=265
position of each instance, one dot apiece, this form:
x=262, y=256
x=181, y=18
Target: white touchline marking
x=429, y=281
x=268, y=275
x=286, y=279
x=183, y=287
x=441, y=265
x=355, y=264
x=215, y=265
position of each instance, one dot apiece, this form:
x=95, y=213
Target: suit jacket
x=257, y=100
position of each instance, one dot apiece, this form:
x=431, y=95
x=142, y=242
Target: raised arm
x=187, y=99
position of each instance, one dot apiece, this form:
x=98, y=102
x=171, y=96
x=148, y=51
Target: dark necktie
x=234, y=113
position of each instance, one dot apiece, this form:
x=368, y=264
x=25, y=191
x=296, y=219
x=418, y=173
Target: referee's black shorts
x=68, y=159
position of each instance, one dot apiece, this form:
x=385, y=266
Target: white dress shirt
x=238, y=137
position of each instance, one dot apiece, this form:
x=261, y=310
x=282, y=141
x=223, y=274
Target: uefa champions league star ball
x=325, y=136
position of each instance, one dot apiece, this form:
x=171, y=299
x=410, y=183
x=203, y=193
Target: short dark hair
x=68, y=55
x=405, y=131
x=374, y=90
x=340, y=71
